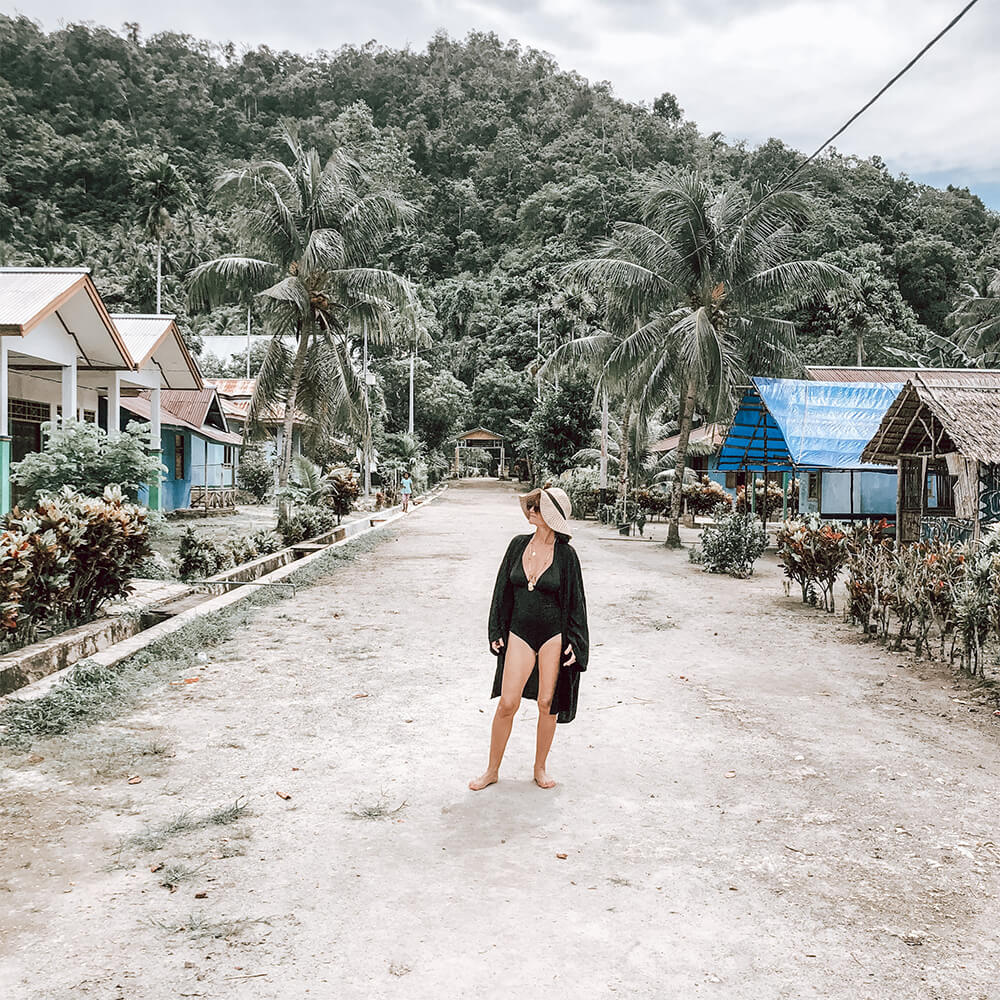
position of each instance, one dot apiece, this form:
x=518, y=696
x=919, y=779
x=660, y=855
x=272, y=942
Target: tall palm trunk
x=687, y=417
x=288, y=424
x=623, y=465
x=604, y=441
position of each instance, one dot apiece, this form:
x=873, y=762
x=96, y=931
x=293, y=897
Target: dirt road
x=752, y=804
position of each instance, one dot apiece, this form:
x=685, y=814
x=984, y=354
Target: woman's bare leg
x=548, y=673
x=517, y=667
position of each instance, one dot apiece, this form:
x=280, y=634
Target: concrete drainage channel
x=36, y=669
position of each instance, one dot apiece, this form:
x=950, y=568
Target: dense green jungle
x=517, y=168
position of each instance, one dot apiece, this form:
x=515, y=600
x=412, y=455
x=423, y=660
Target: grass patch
x=91, y=692
x=173, y=874
x=198, y=926
x=376, y=810
x=155, y=837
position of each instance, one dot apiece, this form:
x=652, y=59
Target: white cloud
x=795, y=69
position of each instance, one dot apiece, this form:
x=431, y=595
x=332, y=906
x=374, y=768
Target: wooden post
x=899, y=500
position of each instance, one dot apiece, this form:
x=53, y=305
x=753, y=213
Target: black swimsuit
x=537, y=616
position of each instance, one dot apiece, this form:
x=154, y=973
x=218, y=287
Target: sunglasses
x=532, y=505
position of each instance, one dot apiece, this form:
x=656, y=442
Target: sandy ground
x=752, y=803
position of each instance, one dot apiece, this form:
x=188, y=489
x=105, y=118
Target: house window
x=178, y=456
x=731, y=481
x=940, y=491
x=90, y=416
x=227, y=454
x=28, y=409
x=815, y=487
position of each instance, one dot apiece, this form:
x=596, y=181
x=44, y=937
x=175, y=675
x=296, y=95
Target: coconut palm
x=977, y=318
x=699, y=277
x=161, y=192
x=311, y=233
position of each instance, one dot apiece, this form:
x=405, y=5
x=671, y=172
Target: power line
x=783, y=184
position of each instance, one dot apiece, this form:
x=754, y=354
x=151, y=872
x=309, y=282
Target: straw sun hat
x=554, y=507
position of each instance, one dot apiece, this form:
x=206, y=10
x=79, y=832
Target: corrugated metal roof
x=929, y=376
x=239, y=409
x=141, y=408
x=189, y=404
x=710, y=434
x=27, y=291
x=141, y=333
x=233, y=387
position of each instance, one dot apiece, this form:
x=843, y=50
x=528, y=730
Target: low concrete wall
x=24, y=666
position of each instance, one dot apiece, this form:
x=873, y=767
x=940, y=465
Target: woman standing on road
x=538, y=629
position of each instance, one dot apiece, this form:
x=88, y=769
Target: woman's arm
x=577, y=631
x=498, y=623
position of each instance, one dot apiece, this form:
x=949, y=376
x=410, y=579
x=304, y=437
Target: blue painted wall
x=174, y=493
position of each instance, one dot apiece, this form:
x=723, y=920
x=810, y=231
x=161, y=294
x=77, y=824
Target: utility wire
x=783, y=184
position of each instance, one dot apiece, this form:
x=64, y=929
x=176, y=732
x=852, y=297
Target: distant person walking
x=405, y=489
x=537, y=630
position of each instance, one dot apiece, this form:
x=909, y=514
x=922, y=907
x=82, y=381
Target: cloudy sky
x=795, y=69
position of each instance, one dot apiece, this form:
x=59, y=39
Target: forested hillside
x=516, y=165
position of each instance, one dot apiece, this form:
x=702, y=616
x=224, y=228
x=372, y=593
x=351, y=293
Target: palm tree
x=977, y=318
x=699, y=276
x=162, y=192
x=312, y=233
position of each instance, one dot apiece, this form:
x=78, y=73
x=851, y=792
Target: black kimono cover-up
x=573, y=605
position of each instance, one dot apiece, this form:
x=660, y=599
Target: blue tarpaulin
x=786, y=424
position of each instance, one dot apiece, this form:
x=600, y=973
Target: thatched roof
x=939, y=412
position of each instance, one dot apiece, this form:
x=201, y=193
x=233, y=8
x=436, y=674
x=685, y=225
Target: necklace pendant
x=531, y=585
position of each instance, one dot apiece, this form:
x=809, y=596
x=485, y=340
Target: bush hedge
x=63, y=559
x=199, y=557
x=307, y=522
x=733, y=544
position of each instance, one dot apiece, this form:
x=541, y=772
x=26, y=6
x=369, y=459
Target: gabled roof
x=233, y=388
x=239, y=410
x=29, y=295
x=709, y=436
x=788, y=424
x=899, y=376
x=940, y=412
x=479, y=432
x=200, y=407
x=140, y=406
x=156, y=339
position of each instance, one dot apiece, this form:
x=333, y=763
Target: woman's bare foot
x=484, y=780
x=542, y=779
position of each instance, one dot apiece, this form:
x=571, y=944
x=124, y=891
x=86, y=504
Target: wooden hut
x=942, y=433
x=480, y=438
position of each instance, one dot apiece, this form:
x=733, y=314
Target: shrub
x=582, y=489
x=307, y=522
x=335, y=490
x=704, y=496
x=775, y=502
x=82, y=456
x=652, y=502
x=256, y=472
x=734, y=544
x=61, y=561
x=199, y=558
x=813, y=552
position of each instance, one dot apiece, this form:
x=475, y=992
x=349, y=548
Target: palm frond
x=226, y=279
